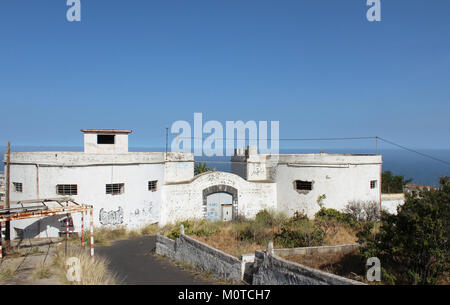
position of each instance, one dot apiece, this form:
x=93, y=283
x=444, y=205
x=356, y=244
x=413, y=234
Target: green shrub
x=332, y=214
x=413, y=246
x=254, y=231
x=298, y=216
x=264, y=217
x=299, y=233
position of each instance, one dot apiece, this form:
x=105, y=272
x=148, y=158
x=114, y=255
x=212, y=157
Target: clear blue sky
x=319, y=67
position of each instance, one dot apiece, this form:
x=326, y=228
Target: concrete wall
x=199, y=255
x=179, y=167
x=136, y=207
x=185, y=200
x=165, y=246
x=273, y=270
x=390, y=202
x=342, y=178
x=257, y=269
x=316, y=250
x=119, y=147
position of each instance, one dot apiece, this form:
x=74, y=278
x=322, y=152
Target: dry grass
x=349, y=265
x=42, y=271
x=7, y=269
x=232, y=237
x=94, y=271
x=104, y=236
x=227, y=243
x=150, y=229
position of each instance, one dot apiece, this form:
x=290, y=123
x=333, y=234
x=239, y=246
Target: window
x=18, y=187
x=67, y=189
x=152, y=185
x=303, y=185
x=373, y=184
x=105, y=139
x=115, y=189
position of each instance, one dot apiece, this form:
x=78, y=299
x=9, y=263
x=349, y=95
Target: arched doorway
x=220, y=203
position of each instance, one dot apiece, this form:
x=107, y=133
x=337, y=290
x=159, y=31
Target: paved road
x=136, y=264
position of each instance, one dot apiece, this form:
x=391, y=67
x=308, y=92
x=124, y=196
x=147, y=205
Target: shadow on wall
x=44, y=227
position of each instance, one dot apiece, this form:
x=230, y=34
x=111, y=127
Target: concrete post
x=270, y=248
x=181, y=229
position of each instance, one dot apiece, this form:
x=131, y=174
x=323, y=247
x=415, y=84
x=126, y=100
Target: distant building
x=138, y=188
x=415, y=189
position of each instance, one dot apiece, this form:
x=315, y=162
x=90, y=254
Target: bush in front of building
x=299, y=231
x=335, y=215
x=413, y=246
x=304, y=233
x=363, y=210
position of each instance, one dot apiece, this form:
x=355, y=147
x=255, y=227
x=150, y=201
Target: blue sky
x=319, y=67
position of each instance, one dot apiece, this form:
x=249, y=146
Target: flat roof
x=100, y=131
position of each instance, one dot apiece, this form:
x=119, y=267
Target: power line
x=414, y=151
x=286, y=139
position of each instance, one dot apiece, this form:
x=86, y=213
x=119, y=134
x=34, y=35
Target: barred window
x=303, y=185
x=152, y=185
x=18, y=187
x=115, y=188
x=67, y=189
x=373, y=184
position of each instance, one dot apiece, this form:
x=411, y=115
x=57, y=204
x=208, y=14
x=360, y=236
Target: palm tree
x=201, y=168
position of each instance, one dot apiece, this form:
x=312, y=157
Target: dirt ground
x=23, y=260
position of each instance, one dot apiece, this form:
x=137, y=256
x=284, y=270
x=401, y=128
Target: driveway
x=135, y=262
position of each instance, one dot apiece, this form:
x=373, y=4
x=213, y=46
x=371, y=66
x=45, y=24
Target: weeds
x=7, y=269
x=94, y=271
x=42, y=271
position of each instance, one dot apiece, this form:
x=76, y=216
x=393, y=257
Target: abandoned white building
x=137, y=188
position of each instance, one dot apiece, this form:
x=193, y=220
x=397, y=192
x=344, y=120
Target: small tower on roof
x=105, y=141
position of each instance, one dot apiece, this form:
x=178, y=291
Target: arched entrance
x=220, y=202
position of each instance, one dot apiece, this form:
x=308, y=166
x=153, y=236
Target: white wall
x=119, y=147
x=340, y=185
x=185, y=200
x=390, y=202
x=139, y=205
x=341, y=177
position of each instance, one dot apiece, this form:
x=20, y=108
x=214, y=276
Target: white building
x=137, y=188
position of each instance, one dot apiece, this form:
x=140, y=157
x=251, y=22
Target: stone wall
x=165, y=246
x=199, y=255
x=258, y=269
x=313, y=250
x=271, y=269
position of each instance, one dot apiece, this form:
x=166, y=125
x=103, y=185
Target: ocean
x=421, y=169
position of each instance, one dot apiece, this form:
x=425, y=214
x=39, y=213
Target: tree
x=393, y=184
x=201, y=168
x=413, y=246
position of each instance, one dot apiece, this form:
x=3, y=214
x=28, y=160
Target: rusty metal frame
x=41, y=208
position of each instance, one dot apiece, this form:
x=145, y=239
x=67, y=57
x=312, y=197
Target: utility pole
x=8, y=190
x=376, y=145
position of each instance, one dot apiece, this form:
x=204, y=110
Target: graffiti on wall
x=144, y=213
x=111, y=217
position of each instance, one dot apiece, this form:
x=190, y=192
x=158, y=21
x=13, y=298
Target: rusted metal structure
x=40, y=208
